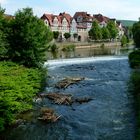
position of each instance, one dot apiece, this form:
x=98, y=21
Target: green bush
x=123, y=41
x=67, y=35
x=18, y=86
x=136, y=33
x=134, y=59
x=55, y=34
x=135, y=80
x=69, y=48
x=53, y=47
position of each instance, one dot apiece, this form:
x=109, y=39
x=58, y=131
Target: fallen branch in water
x=67, y=81
x=60, y=98
x=48, y=115
x=65, y=99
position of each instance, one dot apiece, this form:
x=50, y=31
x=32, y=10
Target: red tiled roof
x=67, y=16
x=49, y=17
x=60, y=17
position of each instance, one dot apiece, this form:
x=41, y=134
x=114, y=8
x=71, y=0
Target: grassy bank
x=18, y=86
x=134, y=60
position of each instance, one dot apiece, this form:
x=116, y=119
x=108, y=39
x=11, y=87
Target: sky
x=119, y=9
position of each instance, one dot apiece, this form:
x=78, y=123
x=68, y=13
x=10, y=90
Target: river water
x=109, y=116
x=89, y=52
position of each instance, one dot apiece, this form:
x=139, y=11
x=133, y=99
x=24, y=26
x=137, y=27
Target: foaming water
x=61, y=62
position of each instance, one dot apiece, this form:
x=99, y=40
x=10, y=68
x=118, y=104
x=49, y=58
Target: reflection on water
x=87, y=52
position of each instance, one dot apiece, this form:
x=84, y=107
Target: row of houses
x=79, y=24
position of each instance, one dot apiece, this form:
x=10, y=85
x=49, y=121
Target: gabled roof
x=60, y=17
x=49, y=17
x=66, y=16
x=101, y=18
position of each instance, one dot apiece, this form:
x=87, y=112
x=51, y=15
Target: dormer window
x=79, y=19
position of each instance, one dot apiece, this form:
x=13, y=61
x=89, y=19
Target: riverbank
x=18, y=87
x=135, y=80
x=134, y=60
x=88, y=44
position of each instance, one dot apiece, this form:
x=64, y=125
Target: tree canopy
x=136, y=34
x=3, y=35
x=105, y=33
x=95, y=31
x=28, y=38
x=67, y=35
x=112, y=29
x=55, y=34
x=75, y=35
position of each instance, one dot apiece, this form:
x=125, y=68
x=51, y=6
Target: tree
x=123, y=40
x=67, y=35
x=105, y=33
x=95, y=31
x=112, y=29
x=136, y=34
x=75, y=35
x=55, y=34
x=3, y=35
x=28, y=38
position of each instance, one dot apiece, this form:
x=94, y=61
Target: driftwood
x=60, y=98
x=67, y=81
x=48, y=115
x=66, y=99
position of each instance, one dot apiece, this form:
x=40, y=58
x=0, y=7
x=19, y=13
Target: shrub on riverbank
x=135, y=80
x=68, y=48
x=134, y=59
x=18, y=87
x=124, y=41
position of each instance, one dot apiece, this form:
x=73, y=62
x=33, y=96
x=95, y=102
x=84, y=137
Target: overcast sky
x=119, y=9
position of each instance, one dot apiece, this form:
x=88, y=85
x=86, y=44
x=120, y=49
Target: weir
x=60, y=62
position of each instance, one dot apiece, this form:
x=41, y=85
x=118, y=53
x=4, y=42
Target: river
x=109, y=116
x=84, y=52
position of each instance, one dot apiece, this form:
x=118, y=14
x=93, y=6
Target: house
x=121, y=29
x=60, y=23
x=79, y=24
x=101, y=19
x=83, y=21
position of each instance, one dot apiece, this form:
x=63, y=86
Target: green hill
x=127, y=22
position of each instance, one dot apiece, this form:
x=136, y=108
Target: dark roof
x=86, y=17
x=101, y=18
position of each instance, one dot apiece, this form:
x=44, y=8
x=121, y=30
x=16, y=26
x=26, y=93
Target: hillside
x=127, y=22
